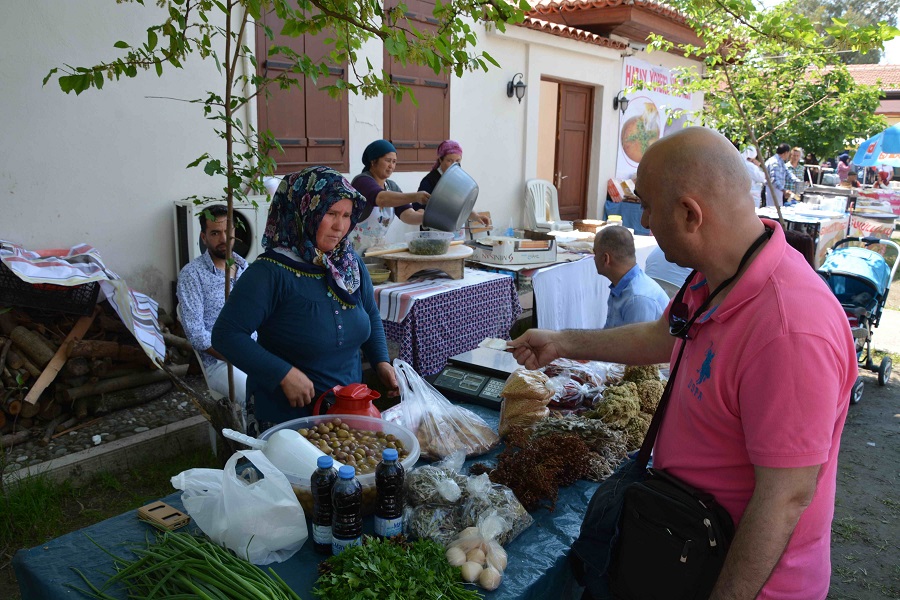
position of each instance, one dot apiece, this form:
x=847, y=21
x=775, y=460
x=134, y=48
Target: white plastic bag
x=262, y=522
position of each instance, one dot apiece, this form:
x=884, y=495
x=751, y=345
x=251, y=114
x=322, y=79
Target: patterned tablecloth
x=434, y=317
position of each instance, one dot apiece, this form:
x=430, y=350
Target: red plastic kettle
x=353, y=399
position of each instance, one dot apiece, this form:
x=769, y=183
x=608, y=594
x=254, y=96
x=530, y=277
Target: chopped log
x=49, y=409
x=51, y=427
x=29, y=411
x=80, y=408
x=7, y=344
x=122, y=383
x=177, y=341
x=106, y=403
x=12, y=439
x=76, y=427
x=17, y=361
x=33, y=345
x=122, y=372
x=113, y=324
x=23, y=423
x=11, y=404
x=99, y=366
x=76, y=367
x=51, y=369
x=2, y=419
x=73, y=382
x=7, y=323
x=103, y=349
x=62, y=427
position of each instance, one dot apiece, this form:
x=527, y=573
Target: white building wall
x=105, y=167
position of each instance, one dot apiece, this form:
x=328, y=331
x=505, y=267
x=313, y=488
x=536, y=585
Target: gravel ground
x=172, y=407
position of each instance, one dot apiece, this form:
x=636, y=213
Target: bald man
x=633, y=296
x=761, y=393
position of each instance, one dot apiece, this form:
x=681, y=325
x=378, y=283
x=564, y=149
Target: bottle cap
x=325, y=462
x=389, y=454
x=347, y=472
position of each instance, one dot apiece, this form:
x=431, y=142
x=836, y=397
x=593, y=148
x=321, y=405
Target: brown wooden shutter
x=312, y=127
x=417, y=131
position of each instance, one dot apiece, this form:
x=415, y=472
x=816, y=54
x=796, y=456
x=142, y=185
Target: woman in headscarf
x=383, y=197
x=310, y=300
x=843, y=166
x=449, y=153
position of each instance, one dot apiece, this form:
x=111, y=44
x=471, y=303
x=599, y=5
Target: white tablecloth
x=573, y=295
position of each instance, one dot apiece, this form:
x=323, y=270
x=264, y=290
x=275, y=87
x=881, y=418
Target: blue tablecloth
x=631, y=215
x=537, y=559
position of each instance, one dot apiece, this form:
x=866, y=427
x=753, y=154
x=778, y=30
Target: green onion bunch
x=183, y=566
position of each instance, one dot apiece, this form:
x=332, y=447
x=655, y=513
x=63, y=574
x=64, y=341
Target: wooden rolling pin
x=402, y=248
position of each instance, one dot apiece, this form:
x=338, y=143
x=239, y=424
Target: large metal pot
x=452, y=200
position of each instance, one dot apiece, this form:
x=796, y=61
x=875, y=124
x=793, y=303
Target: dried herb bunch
x=607, y=445
x=535, y=469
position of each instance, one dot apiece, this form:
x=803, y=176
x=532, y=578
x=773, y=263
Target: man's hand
x=389, y=378
x=536, y=348
x=297, y=388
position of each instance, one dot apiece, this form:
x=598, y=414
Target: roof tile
x=888, y=75
x=571, y=32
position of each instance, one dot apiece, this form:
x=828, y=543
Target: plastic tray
x=367, y=481
x=76, y=299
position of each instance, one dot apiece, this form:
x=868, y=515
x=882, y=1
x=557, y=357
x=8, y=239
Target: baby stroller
x=861, y=279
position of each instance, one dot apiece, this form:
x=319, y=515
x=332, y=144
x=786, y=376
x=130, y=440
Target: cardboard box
x=514, y=251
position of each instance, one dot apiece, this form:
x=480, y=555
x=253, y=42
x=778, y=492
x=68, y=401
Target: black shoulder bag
x=646, y=534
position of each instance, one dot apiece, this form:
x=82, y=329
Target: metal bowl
x=452, y=200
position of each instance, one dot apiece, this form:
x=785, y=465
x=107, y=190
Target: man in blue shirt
x=633, y=296
x=779, y=174
x=201, y=296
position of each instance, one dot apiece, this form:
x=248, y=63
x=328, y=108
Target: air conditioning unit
x=249, y=223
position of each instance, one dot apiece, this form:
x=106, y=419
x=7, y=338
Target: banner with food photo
x=645, y=118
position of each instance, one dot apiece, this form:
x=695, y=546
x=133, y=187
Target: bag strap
x=643, y=456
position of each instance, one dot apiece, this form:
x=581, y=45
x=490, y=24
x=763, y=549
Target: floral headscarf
x=446, y=147
x=295, y=214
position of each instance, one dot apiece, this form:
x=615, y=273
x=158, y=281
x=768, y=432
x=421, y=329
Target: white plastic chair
x=542, y=207
x=669, y=288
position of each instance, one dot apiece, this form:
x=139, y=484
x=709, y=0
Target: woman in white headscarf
x=757, y=177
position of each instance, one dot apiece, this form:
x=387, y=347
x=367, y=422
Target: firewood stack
x=60, y=372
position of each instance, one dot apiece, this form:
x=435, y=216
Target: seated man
x=633, y=297
x=664, y=272
x=201, y=296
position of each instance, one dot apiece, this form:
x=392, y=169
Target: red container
x=353, y=399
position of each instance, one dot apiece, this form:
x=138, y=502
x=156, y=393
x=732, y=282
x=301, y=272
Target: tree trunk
x=121, y=383
x=113, y=401
x=32, y=345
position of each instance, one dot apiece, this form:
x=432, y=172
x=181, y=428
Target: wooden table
x=404, y=264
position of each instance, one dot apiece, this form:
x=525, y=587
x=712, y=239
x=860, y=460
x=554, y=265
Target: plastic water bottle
x=346, y=502
x=321, y=483
x=389, y=487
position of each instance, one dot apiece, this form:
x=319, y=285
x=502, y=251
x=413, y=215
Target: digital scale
x=476, y=377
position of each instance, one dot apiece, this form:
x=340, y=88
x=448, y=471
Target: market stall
x=537, y=564
x=826, y=227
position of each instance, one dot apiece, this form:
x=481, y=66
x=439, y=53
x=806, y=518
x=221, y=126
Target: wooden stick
x=12, y=439
x=51, y=427
x=59, y=359
x=66, y=424
x=79, y=426
x=122, y=383
x=4, y=353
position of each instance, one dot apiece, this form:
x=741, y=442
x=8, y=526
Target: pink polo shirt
x=765, y=380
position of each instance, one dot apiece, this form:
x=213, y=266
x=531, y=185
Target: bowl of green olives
x=354, y=440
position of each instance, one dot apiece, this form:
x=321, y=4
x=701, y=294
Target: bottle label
x=388, y=528
x=321, y=534
x=339, y=545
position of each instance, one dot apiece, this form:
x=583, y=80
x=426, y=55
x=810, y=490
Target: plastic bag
x=479, y=545
x=258, y=518
x=487, y=499
x=525, y=398
x=441, y=427
x=431, y=522
x=440, y=483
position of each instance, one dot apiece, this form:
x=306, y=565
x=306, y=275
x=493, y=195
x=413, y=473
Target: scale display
x=476, y=377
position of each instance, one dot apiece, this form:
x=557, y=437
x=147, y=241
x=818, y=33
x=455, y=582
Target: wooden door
x=573, y=149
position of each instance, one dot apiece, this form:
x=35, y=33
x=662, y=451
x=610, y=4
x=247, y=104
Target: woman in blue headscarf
x=383, y=197
x=309, y=300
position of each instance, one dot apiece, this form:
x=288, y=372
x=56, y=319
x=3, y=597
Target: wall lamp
x=620, y=102
x=516, y=87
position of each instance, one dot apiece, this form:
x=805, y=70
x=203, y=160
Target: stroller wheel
x=884, y=371
x=856, y=392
